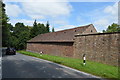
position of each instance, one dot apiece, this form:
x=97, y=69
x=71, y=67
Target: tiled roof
x=60, y=36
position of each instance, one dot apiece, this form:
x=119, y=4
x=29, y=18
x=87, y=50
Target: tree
x=34, y=29
x=18, y=28
x=41, y=29
x=113, y=28
x=23, y=38
x=21, y=34
x=47, y=27
x=5, y=28
x=14, y=42
x=103, y=31
x=53, y=29
x=10, y=26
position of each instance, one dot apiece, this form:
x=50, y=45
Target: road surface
x=22, y=66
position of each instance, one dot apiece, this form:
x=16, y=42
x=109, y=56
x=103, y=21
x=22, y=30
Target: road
x=22, y=66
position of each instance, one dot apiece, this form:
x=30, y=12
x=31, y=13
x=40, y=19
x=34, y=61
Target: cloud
x=61, y=22
x=39, y=10
x=113, y=10
x=46, y=9
x=64, y=27
x=13, y=10
x=36, y=16
x=106, y=17
x=57, y=10
x=101, y=24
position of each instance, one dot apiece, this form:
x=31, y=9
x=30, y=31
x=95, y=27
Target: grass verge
x=98, y=69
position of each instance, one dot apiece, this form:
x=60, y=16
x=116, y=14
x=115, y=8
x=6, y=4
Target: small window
x=75, y=30
x=91, y=31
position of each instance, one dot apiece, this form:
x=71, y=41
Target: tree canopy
x=39, y=28
x=113, y=28
x=20, y=34
x=53, y=29
x=47, y=27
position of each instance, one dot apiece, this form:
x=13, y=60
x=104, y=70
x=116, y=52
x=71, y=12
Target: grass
x=95, y=68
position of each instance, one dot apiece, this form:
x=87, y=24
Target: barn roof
x=60, y=36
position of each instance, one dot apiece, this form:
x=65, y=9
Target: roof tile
x=60, y=36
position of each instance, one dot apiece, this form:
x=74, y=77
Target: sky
x=63, y=15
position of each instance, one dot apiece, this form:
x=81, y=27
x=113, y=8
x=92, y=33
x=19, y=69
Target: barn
x=58, y=43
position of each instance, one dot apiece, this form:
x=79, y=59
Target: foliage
x=42, y=29
x=34, y=30
x=47, y=27
x=113, y=28
x=5, y=29
x=19, y=36
x=14, y=42
x=10, y=26
x=53, y=29
x=39, y=29
x=95, y=68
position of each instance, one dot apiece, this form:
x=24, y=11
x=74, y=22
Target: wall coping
x=50, y=41
x=76, y=35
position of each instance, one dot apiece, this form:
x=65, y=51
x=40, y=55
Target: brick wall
x=101, y=47
x=90, y=30
x=54, y=48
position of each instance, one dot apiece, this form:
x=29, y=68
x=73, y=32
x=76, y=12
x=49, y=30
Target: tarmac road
x=22, y=66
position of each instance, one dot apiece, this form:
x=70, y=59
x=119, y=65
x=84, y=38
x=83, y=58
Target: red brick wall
x=102, y=48
x=58, y=49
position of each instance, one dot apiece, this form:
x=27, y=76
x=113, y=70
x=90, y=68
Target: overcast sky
x=63, y=15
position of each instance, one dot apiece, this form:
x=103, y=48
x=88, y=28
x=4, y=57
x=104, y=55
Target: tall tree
x=5, y=29
x=41, y=28
x=53, y=29
x=113, y=28
x=34, y=29
x=47, y=26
